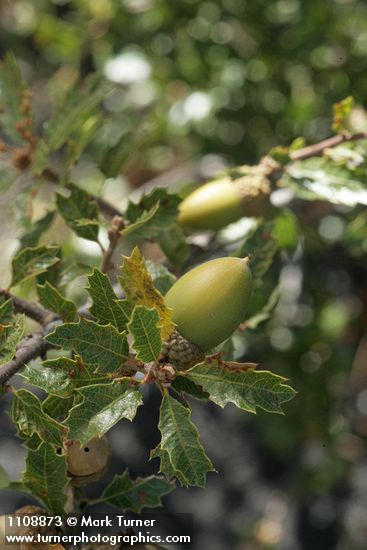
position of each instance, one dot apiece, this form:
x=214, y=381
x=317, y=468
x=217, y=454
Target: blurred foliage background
x=214, y=84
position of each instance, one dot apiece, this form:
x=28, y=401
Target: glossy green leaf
x=340, y=179
x=79, y=205
x=34, y=231
x=182, y=384
x=30, y=262
x=152, y=214
x=46, y=477
x=166, y=467
x=134, y=495
x=10, y=336
x=102, y=407
x=55, y=377
x=107, y=308
x=53, y=300
x=142, y=226
x=6, y=312
x=180, y=440
x=146, y=333
x=247, y=388
x=96, y=344
x=57, y=407
x=61, y=376
x=30, y=419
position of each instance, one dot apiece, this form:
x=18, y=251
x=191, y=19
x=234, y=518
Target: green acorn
x=209, y=302
x=224, y=201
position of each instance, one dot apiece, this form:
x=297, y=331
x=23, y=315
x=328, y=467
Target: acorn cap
x=254, y=190
x=211, y=300
x=181, y=353
x=88, y=462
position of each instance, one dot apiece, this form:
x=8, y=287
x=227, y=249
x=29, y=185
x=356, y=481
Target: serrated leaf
x=139, y=289
x=4, y=479
x=162, y=278
x=79, y=106
x=54, y=376
x=57, y=407
x=107, y=308
x=338, y=182
x=30, y=262
x=35, y=230
x=11, y=96
x=180, y=440
x=174, y=245
x=79, y=205
x=136, y=494
x=6, y=312
x=96, y=344
x=248, y=388
x=34, y=442
x=46, y=477
x=53, y=300
x=30, y=419
x=141, y=226
x=102, y=407
x=146, y=333
x=166, y=467
x=182, y=384
x=62, y=375
x=53, y=273
x=153, y=213
x=261, y=246
x=10, y=336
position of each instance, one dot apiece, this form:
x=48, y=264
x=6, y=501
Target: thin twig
x=114, y=235
x=31, y=310
x=317, y=149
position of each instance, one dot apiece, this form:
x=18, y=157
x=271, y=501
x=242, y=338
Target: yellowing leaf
x=139, y=289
